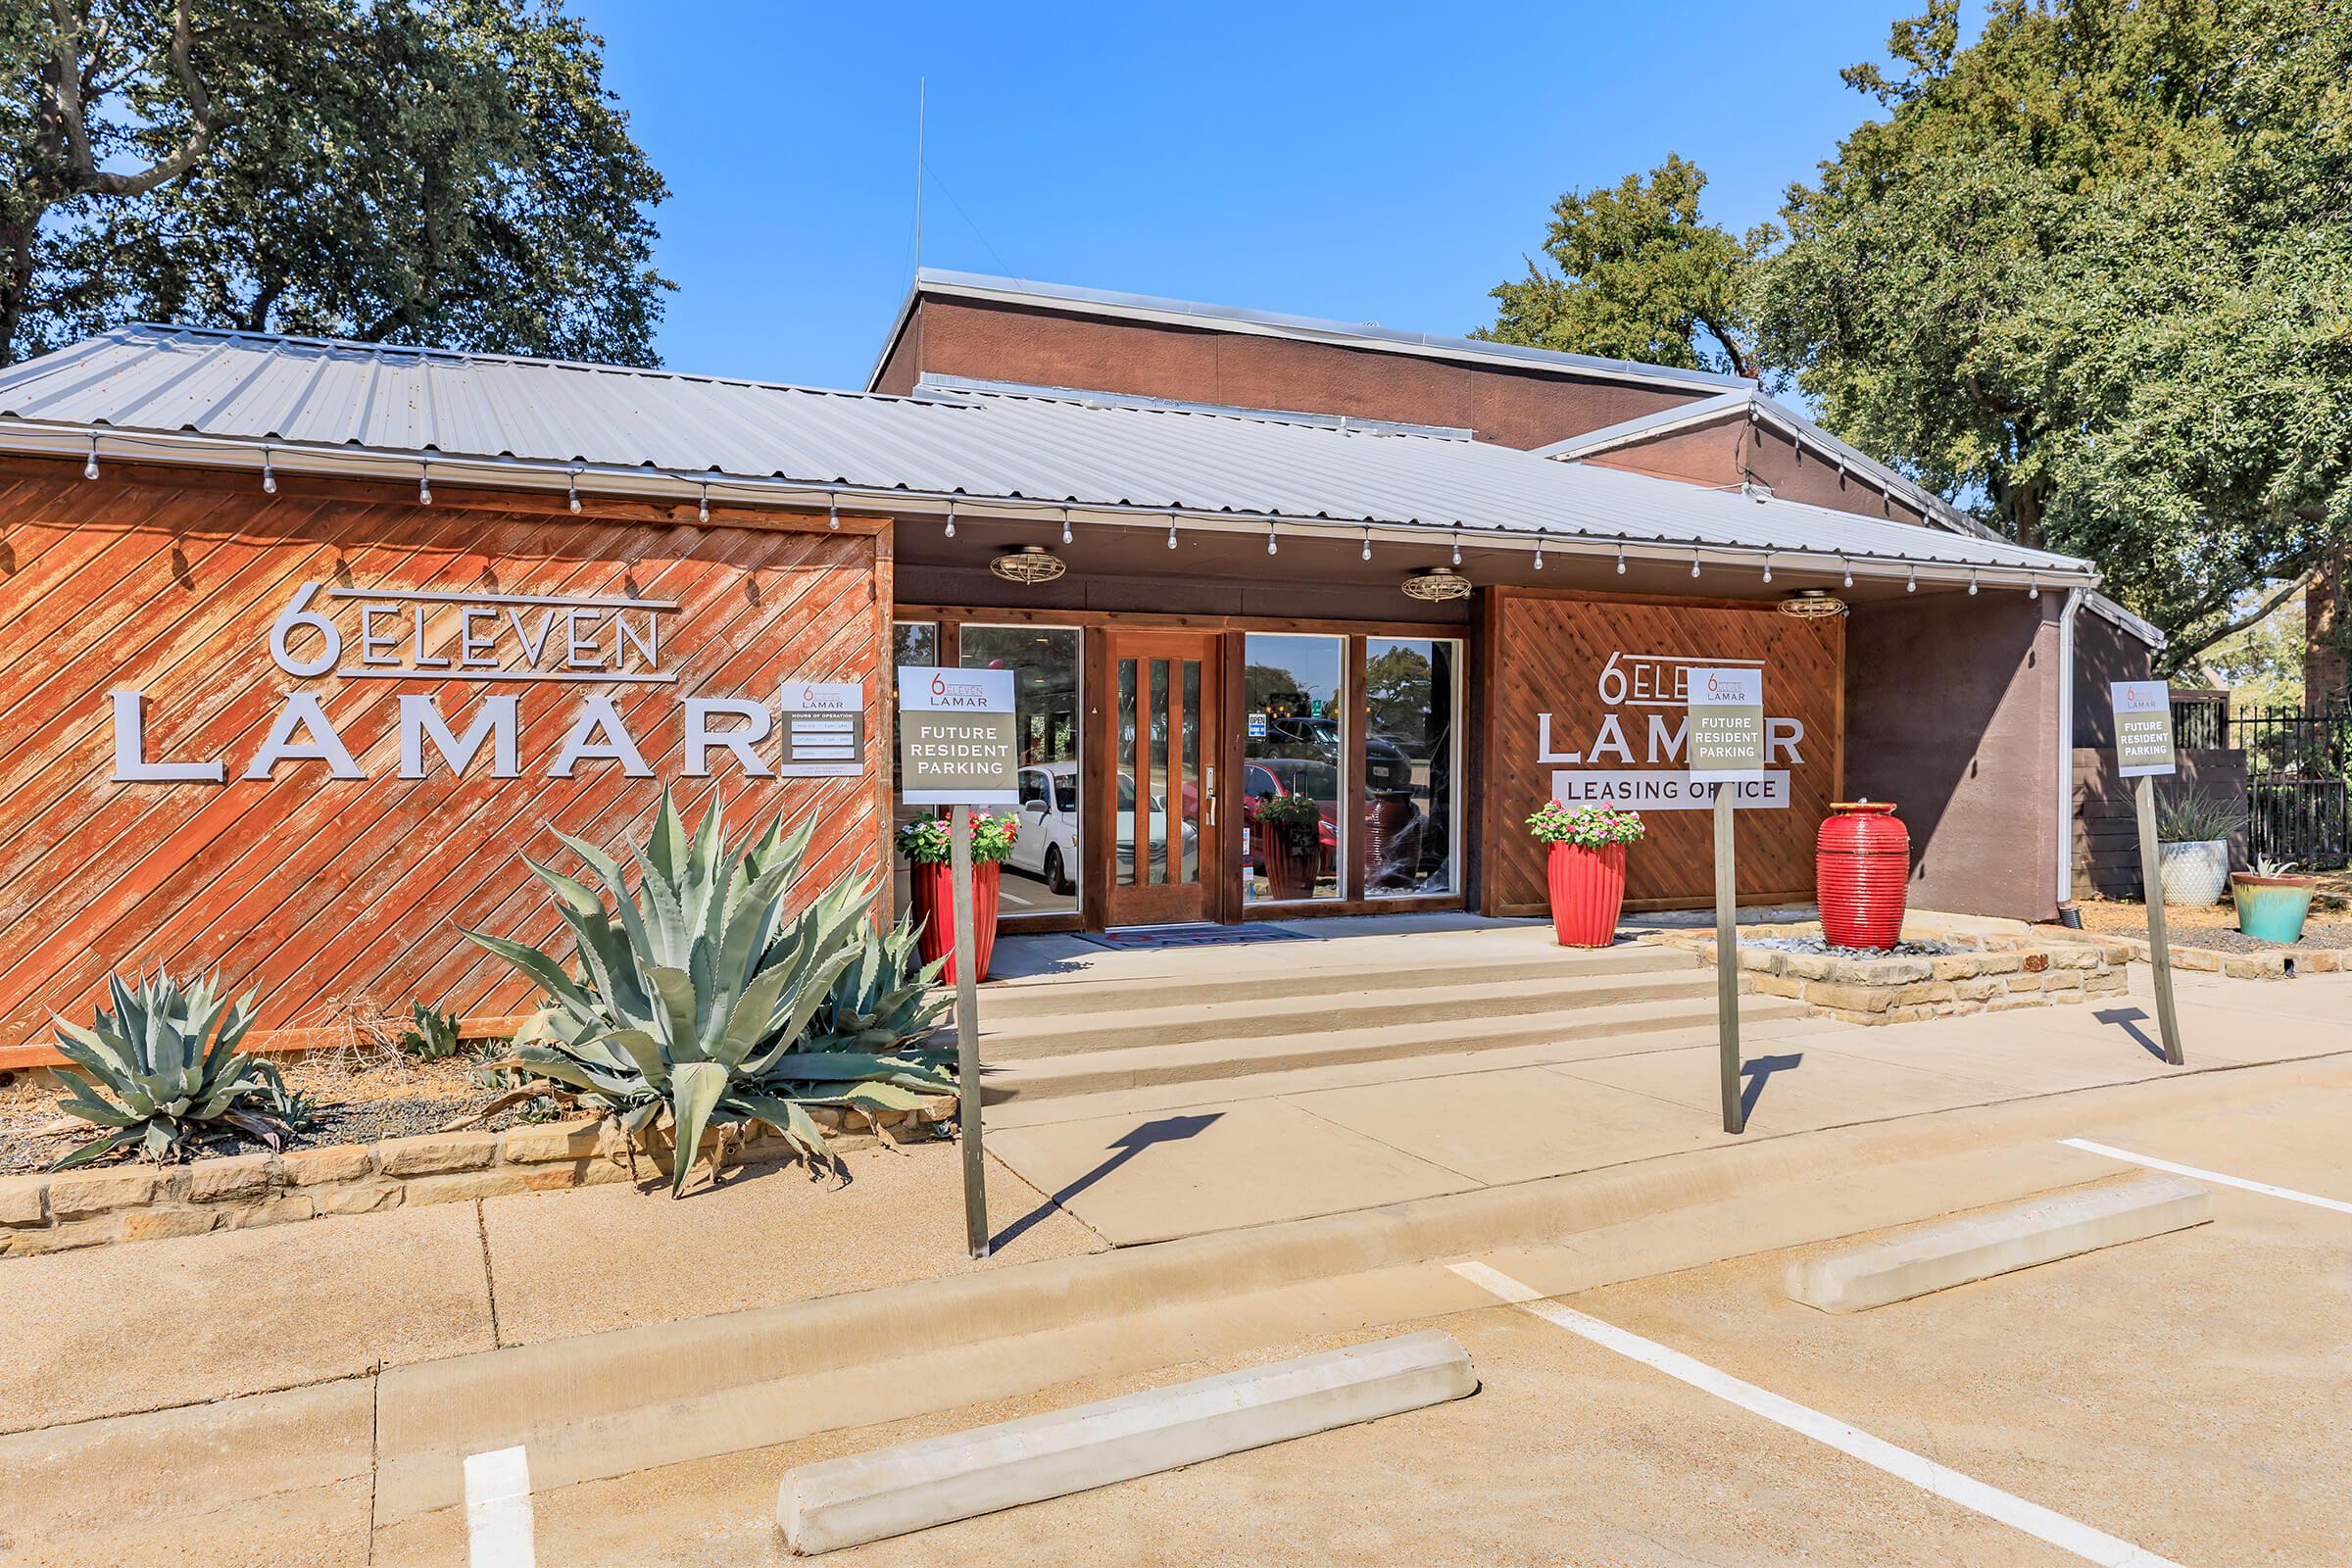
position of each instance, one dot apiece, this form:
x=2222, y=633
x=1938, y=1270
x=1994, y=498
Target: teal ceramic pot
x=2272, y=907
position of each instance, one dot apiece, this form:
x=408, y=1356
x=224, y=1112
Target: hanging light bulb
x=832, y=511
x=950, y=519
x=1367, y=543
x=1621, y=561
x=2032, y=587
x=575, y=488
x=268, y=475
x=89, y=469
x=1065, y=525
x=1458, y=546
x=1269, y=538
x=1172, y=530
x=701, y=510
x=1768, y=565
x=1539, y=550
x=1694, y=563
x=424, y=484
x=1849, y=570
x=1972, y=582
x=1911, y=583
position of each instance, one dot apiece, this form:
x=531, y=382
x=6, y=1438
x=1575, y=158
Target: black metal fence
x=2298, y=781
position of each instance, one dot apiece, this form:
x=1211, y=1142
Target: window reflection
x=911, y=642
x=1410, y=693
x=1292, y=749
x=1040, y=875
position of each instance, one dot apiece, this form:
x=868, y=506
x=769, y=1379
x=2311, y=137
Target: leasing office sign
x=1587, y=702
x=502, y=643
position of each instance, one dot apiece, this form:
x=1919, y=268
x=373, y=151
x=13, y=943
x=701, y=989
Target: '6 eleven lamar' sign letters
x=502, y=645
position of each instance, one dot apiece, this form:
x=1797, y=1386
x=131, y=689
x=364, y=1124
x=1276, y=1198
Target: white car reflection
x=1046, y=844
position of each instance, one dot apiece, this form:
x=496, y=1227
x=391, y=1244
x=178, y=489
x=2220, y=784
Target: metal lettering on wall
x=505, y=639
x=1651, y=749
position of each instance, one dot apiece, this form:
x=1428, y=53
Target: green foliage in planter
x=929, y=840
x=164, y=1068
x=695, y=992
x=431, y=1036
x=885, y=999
x=1292, y=817
x=2196, y=817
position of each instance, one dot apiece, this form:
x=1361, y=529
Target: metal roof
x=200, y=394
x=1270, y=323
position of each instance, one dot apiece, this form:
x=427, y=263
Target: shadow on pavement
x=1166, y=1130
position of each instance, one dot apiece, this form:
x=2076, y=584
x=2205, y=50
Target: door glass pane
x=1155, y=817
x=911, y=642
x=1411, y=696
x=1294, y=755
x=1040, y=875
x=1125, y=823
x=1190, y=722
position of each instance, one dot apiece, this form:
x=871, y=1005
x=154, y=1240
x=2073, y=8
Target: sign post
x=1725, y=728
x=958, y=741
x=2143, y=751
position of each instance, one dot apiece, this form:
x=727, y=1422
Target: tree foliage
x=1634, y=273
x=2094, y=272
x=445, y=171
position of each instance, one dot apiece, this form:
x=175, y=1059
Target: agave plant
x=432, y=1035
x=164, y=1068
x=885, y=999
x=694, y=992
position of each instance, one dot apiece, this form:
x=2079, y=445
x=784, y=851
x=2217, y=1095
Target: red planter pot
x=933, y=887
x=1291, y=866
x=1862, y=874
x=1588, y=891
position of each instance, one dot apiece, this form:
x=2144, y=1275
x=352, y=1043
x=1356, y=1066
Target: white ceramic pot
x=2194, y=873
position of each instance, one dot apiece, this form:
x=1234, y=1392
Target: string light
x=1911, y=583
x=1621, y=561
x=89, y=469
x=950, y=519
x=1172, y=530
x=832, y=511
x=1849, y=570
x=1768, y=565
x=1457, y=545
x=268, y=473
x=575, y=488
x=1367, y=543
x=2032, y=587
x=1065, y=525
x=424, y=484
x=701, y=510
x=1539, y=550
x=1694, y=563
x=1972, y=582
x=1269, y=538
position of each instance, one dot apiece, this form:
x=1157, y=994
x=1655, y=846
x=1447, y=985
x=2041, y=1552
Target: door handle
x=1209, y=786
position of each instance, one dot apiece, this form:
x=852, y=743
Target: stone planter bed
x=2243, y=958
x=49, y=1212
x=1958, y=972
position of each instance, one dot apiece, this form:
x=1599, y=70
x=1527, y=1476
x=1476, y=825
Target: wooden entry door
x=1155, y=847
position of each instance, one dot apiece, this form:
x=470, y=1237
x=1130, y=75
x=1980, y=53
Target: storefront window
x=1411, y=693
x=911, y=642
x=1041, y=876
x=1294, y=750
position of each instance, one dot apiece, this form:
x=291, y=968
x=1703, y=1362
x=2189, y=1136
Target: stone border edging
x=54, y=1212
x=2244, y=966
x=1996, y=973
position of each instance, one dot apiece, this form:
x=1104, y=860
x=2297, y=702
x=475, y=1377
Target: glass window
x=911, y=642
x=1411, y=691
x=1040, y=875
x=1294, y=750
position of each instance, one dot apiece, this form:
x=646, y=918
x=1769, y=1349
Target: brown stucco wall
x=1952, y=713
x=2104, y=654
x=1733, y=449
x=1003, y=342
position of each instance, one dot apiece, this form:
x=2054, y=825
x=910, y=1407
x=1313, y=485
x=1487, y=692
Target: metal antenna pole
x=921, y=88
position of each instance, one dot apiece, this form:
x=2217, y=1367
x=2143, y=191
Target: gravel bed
x=2230, y=939
x=1824, y=948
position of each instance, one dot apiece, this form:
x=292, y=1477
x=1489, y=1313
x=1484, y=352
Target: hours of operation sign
x=958, y=738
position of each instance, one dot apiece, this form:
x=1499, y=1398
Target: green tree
x=2095, y=273
x=440, y=170
x=1634, y=273
x=1396, y=691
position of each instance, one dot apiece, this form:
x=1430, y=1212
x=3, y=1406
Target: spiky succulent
x=163, y=1068
x=432, y=1035
x=695, y=989
x=885, y=999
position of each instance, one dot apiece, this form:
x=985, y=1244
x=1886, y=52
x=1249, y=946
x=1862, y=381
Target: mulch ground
x=363, y=1093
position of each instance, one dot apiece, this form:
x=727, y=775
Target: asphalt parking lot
x=2180, y=1398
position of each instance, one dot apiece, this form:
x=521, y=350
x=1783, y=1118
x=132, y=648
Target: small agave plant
x=696, y=991
x=164, y=1068
x=885, y=999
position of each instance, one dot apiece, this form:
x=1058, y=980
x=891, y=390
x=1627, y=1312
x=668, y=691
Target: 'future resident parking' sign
x=2143, y=728
x=958, y=737
x=1726, y=725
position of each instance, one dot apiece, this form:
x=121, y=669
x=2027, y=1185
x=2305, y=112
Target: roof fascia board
x=1307, y=329
x=948, y=386
x=2108, y=609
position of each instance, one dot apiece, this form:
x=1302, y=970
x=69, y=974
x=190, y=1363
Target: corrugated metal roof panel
x=1044, y=448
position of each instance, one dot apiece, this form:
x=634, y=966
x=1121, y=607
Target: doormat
x=1190, y=936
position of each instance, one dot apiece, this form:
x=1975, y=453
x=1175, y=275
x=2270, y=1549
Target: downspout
x=2066, y=745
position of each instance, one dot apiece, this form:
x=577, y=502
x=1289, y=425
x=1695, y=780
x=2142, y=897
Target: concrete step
x=1433, y=999
x=1312, y=974
x=1204, y=1060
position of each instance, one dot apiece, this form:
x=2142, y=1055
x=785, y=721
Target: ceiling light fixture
x=1028, y=564
x=1813, y=604
x=1436, y=585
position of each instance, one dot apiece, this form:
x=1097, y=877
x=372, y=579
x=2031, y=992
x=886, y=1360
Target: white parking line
x=497, y=1510
x=2153, y=1164
x=2092, y=1546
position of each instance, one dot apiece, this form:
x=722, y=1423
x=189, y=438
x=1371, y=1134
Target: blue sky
x=1371, y=163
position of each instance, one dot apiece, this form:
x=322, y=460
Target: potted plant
x=1586, y=875
x=2192, y=846
x=926, y=844
x=2272, y=901
x=1289, y=827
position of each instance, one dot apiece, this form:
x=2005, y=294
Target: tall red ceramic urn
x=1861, y=874
x=933, y=889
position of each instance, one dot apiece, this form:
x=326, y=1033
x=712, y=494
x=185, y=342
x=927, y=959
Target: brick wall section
x=309, y=889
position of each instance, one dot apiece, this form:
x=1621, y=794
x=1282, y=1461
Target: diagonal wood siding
x=312, y=890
